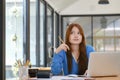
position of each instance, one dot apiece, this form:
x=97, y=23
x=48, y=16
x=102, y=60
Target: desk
x=58, y=78
x=108, y=78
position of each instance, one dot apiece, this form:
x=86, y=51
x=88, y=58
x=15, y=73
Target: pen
x=61, y=39
x=63, y=42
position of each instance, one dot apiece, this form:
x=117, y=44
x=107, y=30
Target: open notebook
x=104, y=64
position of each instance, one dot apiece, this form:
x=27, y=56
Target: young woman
x=72, y=56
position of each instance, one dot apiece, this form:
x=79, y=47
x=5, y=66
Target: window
x=33, y=32
x=42, y=41
x=14, y=36
x=50, y=34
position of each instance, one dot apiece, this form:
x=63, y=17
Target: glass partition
x=85, y=22
x=103, y=32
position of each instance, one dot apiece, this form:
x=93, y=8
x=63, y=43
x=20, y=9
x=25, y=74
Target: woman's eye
x=71, y=32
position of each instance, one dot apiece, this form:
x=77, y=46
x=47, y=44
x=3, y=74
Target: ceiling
x=77, y=7
x=86, y=7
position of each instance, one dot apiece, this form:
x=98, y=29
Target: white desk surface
x=78, y=78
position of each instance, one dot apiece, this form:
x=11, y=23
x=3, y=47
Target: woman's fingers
x=86, y=72
x=67, y=47
x=62, y=47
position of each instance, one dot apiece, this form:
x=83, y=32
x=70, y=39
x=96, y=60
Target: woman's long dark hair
x=82, y=59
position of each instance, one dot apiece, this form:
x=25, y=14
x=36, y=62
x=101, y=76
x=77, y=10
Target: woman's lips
x=75, y=39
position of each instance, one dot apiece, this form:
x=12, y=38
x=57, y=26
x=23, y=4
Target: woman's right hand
x=63, y=46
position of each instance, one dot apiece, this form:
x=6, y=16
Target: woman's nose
x=76, y=35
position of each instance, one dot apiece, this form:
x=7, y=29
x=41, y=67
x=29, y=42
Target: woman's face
x=75, y=36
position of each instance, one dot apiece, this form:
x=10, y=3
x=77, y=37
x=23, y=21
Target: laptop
x=104, y=64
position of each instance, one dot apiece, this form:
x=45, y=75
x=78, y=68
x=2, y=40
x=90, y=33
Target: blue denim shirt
x=59, y=62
